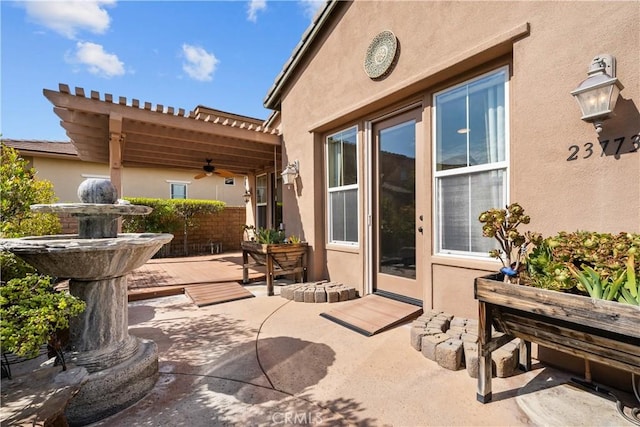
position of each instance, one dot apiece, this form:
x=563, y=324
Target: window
x=230, y=181
x=471, y=137
x=178, y=191
x=342, y=187
x=261, y=201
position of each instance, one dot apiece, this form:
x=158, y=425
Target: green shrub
x=19, y=189
x=163, y=218
x=169, y=215
x=32, y=313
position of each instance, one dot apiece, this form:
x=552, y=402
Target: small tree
x=502, y=224
x=187, y=209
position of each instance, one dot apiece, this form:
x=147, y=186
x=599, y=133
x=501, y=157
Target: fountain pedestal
x=122, y=368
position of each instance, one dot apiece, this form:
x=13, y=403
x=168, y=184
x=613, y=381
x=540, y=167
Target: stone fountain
x=122, y=368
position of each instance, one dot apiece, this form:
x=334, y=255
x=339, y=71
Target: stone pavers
x=452, y=342
x=317, y=292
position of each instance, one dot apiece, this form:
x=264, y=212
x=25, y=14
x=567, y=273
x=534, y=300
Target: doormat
x=372, y=314
x=216, y=293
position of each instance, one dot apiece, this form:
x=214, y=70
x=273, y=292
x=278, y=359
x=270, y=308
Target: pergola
x=122, y=135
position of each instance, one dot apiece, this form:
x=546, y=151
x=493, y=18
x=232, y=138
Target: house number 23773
x=608, y=147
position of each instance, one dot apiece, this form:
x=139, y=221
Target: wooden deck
x=372, y=314
x=208, y=279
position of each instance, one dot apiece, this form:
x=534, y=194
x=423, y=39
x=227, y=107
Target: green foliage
x=601, y=265
x=187, y=209
x=163, y=218
x=169, y=215
x=594, y=263
x=32, y=311
x=19, y=189
x=502, y=224
x=294, y=239
x=13, y=267
x=630, y=292
x=599, y=287
x=269, y=236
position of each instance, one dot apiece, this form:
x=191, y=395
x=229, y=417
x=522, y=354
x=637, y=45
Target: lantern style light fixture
x=597, y=95
x=290, y=173
x=247, y=190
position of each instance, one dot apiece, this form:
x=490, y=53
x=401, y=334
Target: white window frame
x=186, y=188
x=230, y=181
x=469, y=170
x=343, y=188
x=264, y=204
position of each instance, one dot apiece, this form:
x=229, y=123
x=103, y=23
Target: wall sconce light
x=290, y=173
x=597, y=95
x=247, y=195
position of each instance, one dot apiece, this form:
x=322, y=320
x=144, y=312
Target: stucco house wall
x=66, y=175
x=547, y=46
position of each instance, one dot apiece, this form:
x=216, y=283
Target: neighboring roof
x=272, y=100
x=162, y=136
x=42, y=148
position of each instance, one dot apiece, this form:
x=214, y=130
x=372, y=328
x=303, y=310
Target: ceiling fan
x=209, y=169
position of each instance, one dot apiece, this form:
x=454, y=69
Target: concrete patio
x=270, y=361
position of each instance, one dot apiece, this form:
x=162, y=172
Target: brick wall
x=224, y=227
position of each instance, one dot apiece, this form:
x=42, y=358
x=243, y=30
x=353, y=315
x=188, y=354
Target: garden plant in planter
x=574, y=292
x=281, y=256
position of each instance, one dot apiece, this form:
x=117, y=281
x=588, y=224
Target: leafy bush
x=163, y=218
x=32, y=313
x=20, y=189
x=169, y=215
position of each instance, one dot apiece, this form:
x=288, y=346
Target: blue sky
x=221, y=54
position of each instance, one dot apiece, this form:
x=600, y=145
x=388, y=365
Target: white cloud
x=311, y=7
x=199, y=64
x=254, y=7
x=97, y=60
x=70, y=17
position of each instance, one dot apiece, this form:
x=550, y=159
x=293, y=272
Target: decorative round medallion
x=380, y=54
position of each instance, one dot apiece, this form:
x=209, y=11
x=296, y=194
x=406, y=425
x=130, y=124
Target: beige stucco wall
x=66, y=176
x=442, y=43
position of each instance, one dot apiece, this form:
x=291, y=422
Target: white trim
x=368, y=170
x=503, y=166
x=90, y=175
x=186, y=190
x=342, y=188
x=174, y=181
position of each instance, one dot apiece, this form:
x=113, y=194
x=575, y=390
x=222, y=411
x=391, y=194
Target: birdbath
x=122, y=368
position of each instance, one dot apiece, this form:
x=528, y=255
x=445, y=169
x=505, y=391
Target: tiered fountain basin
x=69, y=256
x=122, y=369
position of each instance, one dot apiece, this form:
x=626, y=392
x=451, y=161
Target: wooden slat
x=607, y=315
x=372, y=314
x=216, y=293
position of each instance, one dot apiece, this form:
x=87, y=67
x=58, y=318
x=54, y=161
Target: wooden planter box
x=279, y=259
x=601, y=331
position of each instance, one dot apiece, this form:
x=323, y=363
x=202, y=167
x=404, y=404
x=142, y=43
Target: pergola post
x=116, y=145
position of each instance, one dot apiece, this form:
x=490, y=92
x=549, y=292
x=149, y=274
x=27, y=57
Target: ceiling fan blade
x=224, y=173
x=200, y=175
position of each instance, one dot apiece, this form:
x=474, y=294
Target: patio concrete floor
x=270, y=361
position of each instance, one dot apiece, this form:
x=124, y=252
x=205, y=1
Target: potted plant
x=281, y=256
x=574, y=292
